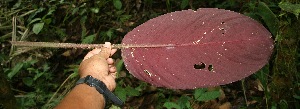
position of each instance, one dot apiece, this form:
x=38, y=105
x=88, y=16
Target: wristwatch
x=101, y=88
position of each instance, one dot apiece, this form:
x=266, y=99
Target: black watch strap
x=101, y=88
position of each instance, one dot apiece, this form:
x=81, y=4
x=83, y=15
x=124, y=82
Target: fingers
x=113, y=75
x=112, y=69
x=110, y=61
x=110, y=83
x=105, y=52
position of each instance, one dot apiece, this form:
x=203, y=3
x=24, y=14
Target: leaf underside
x=209, y=47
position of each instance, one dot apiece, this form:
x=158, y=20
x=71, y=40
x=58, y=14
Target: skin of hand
x=97, y=64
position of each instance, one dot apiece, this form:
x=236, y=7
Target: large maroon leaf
x=207, y=47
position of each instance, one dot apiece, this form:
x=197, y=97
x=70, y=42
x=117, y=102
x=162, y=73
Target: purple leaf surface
x=207, y=47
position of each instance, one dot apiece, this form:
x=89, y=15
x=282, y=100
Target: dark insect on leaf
x=207, y=47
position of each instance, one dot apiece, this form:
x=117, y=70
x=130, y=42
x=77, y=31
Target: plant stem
x=83, y=46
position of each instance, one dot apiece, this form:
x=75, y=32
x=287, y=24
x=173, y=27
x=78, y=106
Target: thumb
x=105, y=50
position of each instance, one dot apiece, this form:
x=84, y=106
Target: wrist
x=91, y=92
x=110, y=85
x=101, y=88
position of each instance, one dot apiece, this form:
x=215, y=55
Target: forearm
x=83, y=97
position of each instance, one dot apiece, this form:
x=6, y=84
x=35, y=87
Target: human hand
x=98, y=64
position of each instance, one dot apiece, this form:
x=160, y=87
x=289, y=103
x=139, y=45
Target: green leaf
x=131, y=91
x=296, y=97
x=39, y=74
x=109, y=33
x=141, y=87
x=184, y=3
x=283, y=104
x=37, y=27
x=125, y=18
x=29, y=63
x=75, y=10
x=27, y=81
x=48, y=21
x=82, y=23
x=83, y=20
x=199, y=92
x=262, y=76
x=269, y=17
x=74, y=74
x=119, y=65
x=89, y=39
x=50, y=11
x=17, y=5
x=3, y=57
x=117, y=4
x=114, y=107
x=35, y=13
x=34, y=20
x=274, y=106
x=184, y=102
x=95, y=10
x=120, y=92
x=289, y=7
x=45, y=67
x=15, y=70
x=170, y=105
x=209, y=96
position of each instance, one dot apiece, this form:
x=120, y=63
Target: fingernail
x=106, y=44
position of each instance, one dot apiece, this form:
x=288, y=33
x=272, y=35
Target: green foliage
x=184, y=3
x=168, y=3
x=262, y=76
x=182, y=103
x=36, y=78
x=204, y=95
x=15, y=70
x=289, y=7
x=117, y=4
x=269, y=17
x=171, y=105
x=37, y=27
x=89, y=39
x=123, y=93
